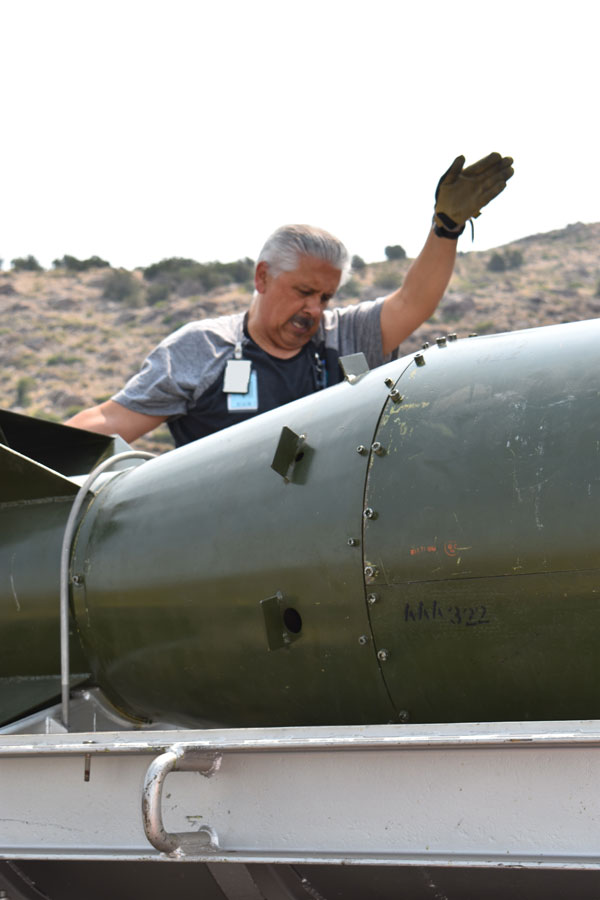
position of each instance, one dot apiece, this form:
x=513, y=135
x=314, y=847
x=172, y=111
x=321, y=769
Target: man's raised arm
x=461, y=194
x=111, y=417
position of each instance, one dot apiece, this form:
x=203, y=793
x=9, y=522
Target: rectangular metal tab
x=354, y=366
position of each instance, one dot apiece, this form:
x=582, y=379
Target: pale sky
x=139, y=130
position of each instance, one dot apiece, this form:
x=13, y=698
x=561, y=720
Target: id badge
x=237, y=376
x=247, y=401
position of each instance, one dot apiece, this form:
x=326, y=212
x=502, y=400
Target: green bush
x=352, y=288
x=123, y=287
x=496, y=263
x=59, y=359
x=387, y=280
x=187, y=277
x=156, y=293
x=24, y=386
x=26, y=264
x=395, y=251
x=511, y=259
x=358, y=263
x=72, y=264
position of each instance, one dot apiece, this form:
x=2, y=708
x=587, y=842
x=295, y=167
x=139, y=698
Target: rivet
x=369, y=513
x=372, y=598
x=361, y=449
x=383, y=655
x=441, y=341
x=363, y=639
x=420, y=359
x=352, y=542
x=378, y=449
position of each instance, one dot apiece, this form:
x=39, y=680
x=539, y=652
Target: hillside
x=64, y=345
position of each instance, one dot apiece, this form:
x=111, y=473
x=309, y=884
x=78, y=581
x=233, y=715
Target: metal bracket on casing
x=290, y=450
x=353, y=366
x=282, y=622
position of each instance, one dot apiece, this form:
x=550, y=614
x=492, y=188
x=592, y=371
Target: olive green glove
x=461, y=193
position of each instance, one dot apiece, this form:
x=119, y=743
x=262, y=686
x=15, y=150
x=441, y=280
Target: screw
x=369, y=513
x=441, y=341
x=352, y=542
x=371, y=599
x=361, y=449
x=389, y=382
x=363, y=639
x=378, y=449
x=383, y=655
x=452, y=337
x=371, y=572
x=396, y=396
x=76, y=579
x=473, y=334
x=403, y=716
x=420, y=359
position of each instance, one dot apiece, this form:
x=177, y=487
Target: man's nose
x=313, y=305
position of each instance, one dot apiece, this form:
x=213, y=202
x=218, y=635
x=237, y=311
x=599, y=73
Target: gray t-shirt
x=182, y=378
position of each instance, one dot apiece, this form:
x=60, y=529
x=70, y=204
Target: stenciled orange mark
x=451, y=548
x=414, y=551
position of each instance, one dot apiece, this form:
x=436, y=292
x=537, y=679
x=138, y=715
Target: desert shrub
x=156, y=293
x=121, y=286
x=387, y=280
x=72, y=264
x=60, y=359
x=358, y=263
x=597, y=294
x=187, y=277
x=514, y=259
x=350, y=289
x=24, y=386
x=26, y=264
x=496, y=263
x=395, y=251
x=510, y=259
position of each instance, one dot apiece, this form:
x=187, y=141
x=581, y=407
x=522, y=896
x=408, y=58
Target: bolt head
x=383, y=655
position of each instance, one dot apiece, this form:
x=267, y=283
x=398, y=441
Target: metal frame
x=482, y=795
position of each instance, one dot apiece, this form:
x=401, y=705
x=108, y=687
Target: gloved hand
x=461, y=193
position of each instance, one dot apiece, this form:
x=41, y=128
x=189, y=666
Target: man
x=216, y=372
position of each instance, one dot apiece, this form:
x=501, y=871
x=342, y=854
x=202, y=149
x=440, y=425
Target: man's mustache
x=303, y=321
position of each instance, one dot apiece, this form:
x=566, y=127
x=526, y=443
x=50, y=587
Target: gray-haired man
x=215, y=372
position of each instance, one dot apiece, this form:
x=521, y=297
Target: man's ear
x=261, y=276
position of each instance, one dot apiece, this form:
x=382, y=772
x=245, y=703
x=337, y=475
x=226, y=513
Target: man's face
x=290, y=305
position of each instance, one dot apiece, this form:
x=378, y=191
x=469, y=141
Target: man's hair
x=283, y=249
